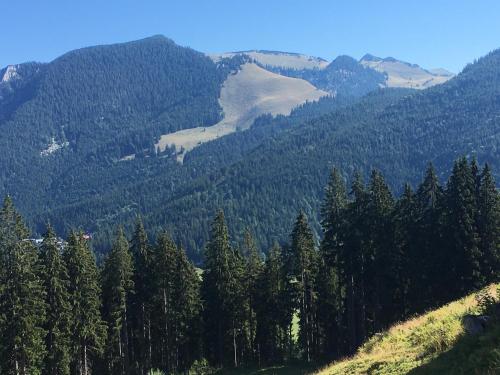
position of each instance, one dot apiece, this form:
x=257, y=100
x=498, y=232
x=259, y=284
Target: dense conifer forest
x=103, y=103
x=378, y=260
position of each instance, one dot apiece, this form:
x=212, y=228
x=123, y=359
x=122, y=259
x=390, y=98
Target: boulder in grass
x=475, y=324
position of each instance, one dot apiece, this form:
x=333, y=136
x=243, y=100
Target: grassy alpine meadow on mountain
x=256, y=195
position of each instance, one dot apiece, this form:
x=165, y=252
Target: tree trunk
x=234, y=348
x=166, y=338
x=85, y=363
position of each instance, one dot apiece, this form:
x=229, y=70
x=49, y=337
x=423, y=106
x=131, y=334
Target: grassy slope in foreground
x=433, y=343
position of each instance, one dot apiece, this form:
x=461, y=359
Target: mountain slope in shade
x=403, y=74
x=249, y=93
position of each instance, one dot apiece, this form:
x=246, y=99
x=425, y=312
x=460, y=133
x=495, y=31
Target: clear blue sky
x=432, y=33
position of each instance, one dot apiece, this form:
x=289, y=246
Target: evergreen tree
x=304, y=268
x=333, y=279
x=274, y=310
x=253, y=269
x=461, y=231
x=22, y=301
x=221, y=291
x=88, y=331
x=162, y=310
x=405, y=251
x=355, y=264
x=117, y=288
x=187, y=319
x=489, y=226
x=58, y=320
x=141, y=300
x=427, y=255
x=379, y=268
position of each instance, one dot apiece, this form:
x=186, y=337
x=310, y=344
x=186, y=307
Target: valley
x=175, y=158
x=257, y=196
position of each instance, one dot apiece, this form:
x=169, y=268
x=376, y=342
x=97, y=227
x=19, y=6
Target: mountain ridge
x=91, y=126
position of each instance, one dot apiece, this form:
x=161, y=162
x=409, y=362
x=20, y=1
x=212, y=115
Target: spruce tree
x=405, y=251
x=58, y=320
x=221, y=291
x=253, y=269
x=88, y=331
x=117, y=288
x=187, y=320
x=140, y=340
x=162, y=310
x=429, y=244
x=22, y=301
x=333, y=279
x=379, y=270
x=305, y=268
x=489, y=226
x=274, y=311
x=356, y=250
x=463, y=242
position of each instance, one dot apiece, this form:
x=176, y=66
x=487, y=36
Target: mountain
x=99, y=118
x=278, y=59
x=433, y=343
x=245, y=95
x=403, y=74
x=346, y=75
x=95, y=137
x=397, y=132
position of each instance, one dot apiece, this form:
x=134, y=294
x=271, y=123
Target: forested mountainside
x=381, y=259
x=161, y=198
x=286, y=173
x=90, y=107
x=69, y=129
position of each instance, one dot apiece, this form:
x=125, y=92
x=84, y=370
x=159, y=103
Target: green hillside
x=433, y=343
x=287, y=173
x=95, y=106
x=67, y=125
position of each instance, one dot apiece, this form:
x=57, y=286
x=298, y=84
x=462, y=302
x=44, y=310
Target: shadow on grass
x=469, y=356
x=294, y=368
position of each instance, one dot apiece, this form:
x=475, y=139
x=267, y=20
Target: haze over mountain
x=95, y=137
x=397, y=73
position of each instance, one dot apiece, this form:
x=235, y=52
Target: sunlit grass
x=410, y=344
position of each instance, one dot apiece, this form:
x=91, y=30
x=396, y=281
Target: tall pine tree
x=489, y=226
x=140, y=340
x=253, y=269
x=118, y=287
x=22, y=301
x=162, y=311
x=274, y=310
x=304, y=267
x=333, y=279
x=221, y=293
x=187, y=319
x=88, y=331
x=461, y=231
x=58, y=321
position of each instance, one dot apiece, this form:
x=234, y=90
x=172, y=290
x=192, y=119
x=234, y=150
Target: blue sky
x=437, y=33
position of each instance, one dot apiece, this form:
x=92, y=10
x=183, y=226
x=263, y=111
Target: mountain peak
x=10, y=73
x=404, y=74
x=370, y=57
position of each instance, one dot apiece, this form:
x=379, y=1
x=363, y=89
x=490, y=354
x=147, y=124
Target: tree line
x=380, y=260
